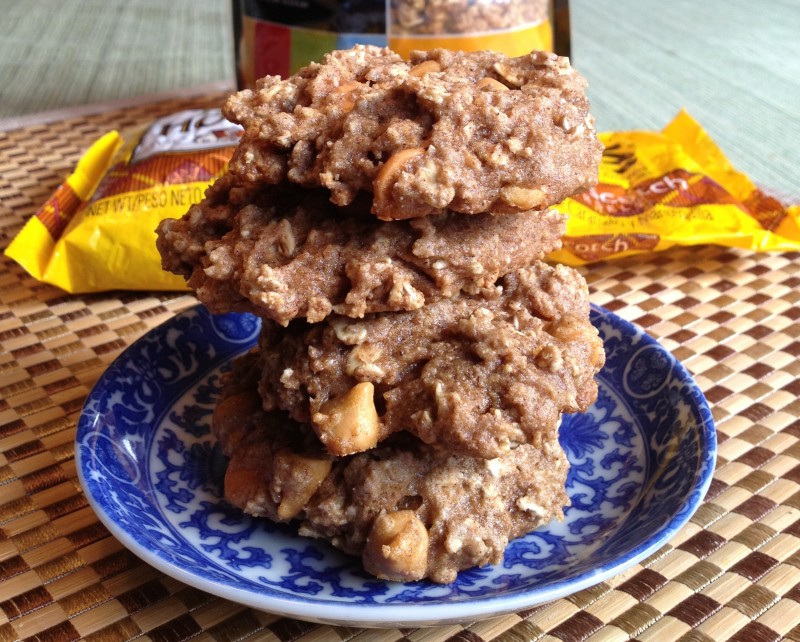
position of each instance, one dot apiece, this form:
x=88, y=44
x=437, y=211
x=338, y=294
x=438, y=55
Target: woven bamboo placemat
x=733, y=573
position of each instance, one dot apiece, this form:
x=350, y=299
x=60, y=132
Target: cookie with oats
x=469, y=132
x=284, y=252
x=409, y=510
x=475, y=375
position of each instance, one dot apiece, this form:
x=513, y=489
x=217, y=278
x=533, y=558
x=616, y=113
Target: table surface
x=733, y=572
x=733, y=64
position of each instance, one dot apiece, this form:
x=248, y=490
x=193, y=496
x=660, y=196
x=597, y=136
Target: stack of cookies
x=388, y=222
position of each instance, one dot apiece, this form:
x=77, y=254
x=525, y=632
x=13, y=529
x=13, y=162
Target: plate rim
x=420, y=613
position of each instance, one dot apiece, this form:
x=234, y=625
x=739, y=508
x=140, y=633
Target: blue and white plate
x=642, y=459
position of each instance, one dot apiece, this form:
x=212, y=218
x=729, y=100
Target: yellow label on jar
x=512, y=42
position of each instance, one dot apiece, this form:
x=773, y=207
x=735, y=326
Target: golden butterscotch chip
x=489, y=133
x=349, y=424
x=284, y=252
x=410, y=510
x=475, y=375
x=397, y=546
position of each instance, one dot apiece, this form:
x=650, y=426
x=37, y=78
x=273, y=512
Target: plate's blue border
x=229, y=339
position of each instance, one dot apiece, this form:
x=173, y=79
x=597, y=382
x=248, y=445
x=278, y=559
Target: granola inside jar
x=278, y=37
x=443, y=17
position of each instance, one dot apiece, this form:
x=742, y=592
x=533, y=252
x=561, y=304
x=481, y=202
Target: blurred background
x=733, y=64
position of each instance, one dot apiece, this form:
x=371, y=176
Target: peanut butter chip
x=346, y=91
x=349, y=423
x=427, y=67
x=524, y=198
x=347, y=87
x=491, y=84
x=388, y=176
x=304, y=476
x=397, y=547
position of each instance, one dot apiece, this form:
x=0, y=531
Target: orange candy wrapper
x=97, y=231
x=655, y=191
x=673, y=188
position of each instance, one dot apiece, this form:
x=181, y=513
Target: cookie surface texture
x=409, y=510
x=471, y=132
x=477, y=375
x=284, y=252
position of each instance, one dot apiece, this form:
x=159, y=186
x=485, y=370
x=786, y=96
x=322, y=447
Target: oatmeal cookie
x=470, y=132
x=476, y=375
x=409, y=510
x=283, y=252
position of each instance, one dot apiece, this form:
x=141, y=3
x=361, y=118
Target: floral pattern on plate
x=641, y=460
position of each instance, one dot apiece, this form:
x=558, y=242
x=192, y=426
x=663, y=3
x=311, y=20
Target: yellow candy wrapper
x=97, y=231
x=658, y=190
x=655, y=191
